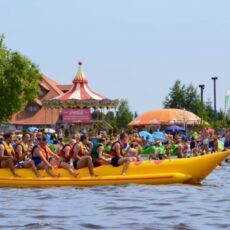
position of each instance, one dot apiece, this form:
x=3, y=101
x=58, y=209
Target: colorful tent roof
x=80, y=95
x=80, y=89
x=166, y=117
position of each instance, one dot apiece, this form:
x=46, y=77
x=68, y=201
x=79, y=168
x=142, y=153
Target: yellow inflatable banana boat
x=186, y=170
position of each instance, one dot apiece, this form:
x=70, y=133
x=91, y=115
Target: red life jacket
x=113, y=151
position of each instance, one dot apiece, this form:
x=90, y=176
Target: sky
x=130, y=49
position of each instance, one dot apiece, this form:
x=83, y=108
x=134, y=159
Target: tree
x=176, y=97
x=182, y=97
x=19, y=78
x=124, y=115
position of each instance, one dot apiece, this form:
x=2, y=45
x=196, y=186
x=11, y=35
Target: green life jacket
x=94, y=153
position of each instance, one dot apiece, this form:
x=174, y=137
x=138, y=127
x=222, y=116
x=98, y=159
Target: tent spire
x=80, y=76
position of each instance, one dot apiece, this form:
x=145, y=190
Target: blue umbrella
x=158, y=135
x=32, y=129
x=175, y=128
x=146, y=135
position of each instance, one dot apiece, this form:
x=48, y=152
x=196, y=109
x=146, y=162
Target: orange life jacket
x=62, y=153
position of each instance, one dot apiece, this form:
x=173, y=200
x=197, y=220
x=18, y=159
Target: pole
x=202, y=93
x=214, y=85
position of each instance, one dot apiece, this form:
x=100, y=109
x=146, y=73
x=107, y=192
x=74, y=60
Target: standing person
x=7, y=154
x=117, y=153
x=81, y=155
x=41, y=155
x=21, y=155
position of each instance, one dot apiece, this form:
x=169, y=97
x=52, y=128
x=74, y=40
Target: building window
x=33, y=108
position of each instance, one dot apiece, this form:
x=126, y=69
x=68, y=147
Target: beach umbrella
x=49, y=130
x=175, y=128
x=158, y=135
x=146, y=135
x=32, y=129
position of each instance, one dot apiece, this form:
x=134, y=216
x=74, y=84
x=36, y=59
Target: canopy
x=80, y=96
x=166, y=117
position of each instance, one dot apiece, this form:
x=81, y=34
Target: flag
x=227, y=101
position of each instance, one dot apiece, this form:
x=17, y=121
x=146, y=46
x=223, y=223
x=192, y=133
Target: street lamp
x=214, y=84
x=201, y=93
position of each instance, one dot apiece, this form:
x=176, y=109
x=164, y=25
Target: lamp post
x=214, y=85
x=201, y=93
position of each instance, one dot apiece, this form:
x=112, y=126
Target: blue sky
x=133, y=49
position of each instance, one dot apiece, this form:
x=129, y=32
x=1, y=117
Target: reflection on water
x=179, y=207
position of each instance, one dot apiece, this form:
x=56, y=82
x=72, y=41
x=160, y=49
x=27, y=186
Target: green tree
x=182, y=97
x=19, y=79
x=124, y=115
x=176, y=97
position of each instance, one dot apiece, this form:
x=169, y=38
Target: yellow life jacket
x=8, y=149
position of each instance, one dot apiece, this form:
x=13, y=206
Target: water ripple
x=179, y=207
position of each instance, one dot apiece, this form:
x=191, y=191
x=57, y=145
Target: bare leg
x=126, y=161
x=30, y=164
x=86, y=162
x=48, y=170
x=10, y=163
x=68, y=168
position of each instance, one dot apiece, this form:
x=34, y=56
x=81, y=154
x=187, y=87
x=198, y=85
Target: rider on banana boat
x=7, y=154
x=42, y=156
x=81, y=155
x=118, y=157
x=21, y=155
x=98, y=155
x=66, y=155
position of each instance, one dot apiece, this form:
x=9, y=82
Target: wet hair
x=7, y=135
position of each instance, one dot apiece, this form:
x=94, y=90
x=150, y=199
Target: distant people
x=7, y=154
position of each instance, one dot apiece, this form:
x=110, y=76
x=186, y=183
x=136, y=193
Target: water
x=179, y=207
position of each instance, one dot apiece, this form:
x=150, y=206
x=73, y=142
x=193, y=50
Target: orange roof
x=53, y=84
x=41, y=116
x=64, y=88
x=165, y=116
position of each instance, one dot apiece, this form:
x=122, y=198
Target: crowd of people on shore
x=31, y=150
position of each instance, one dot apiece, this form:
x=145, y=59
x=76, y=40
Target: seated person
x=66, y=154
x=98, y=155
x=42, y=156
x=117, y=153
x=7, y=154
x=81, y=155
x=21, y=155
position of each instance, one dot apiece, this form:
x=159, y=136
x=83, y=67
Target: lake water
x=178, y=207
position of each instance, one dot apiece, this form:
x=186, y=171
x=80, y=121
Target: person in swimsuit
x=42, y=156
x=117, y=153
x=81, y=155
x=21, y=155
x=7, y=154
